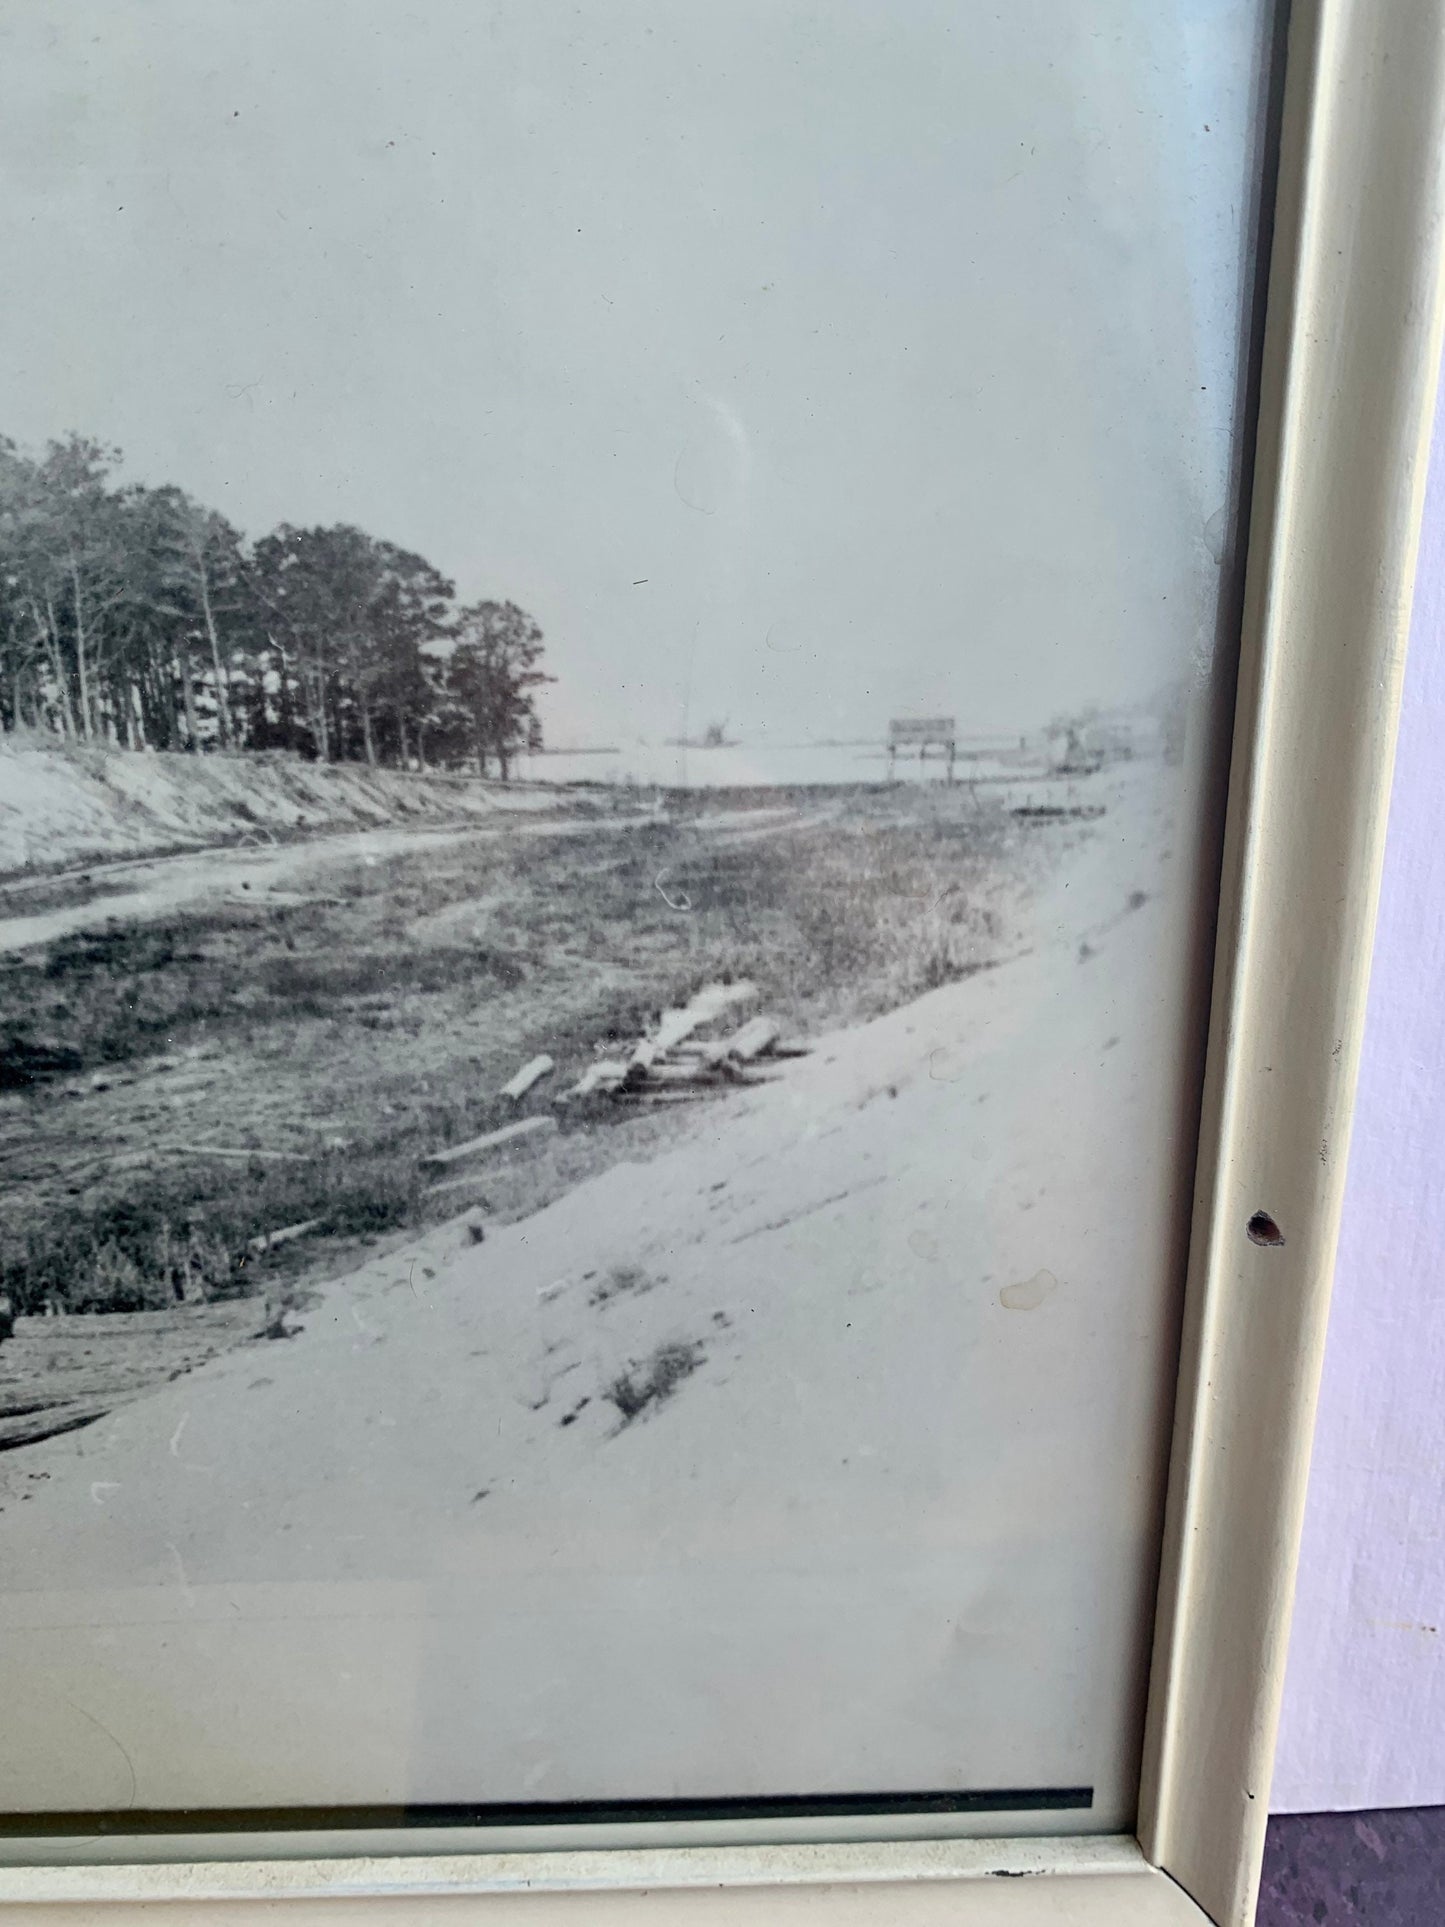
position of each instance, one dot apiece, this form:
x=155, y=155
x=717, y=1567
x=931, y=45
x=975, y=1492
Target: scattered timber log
x=245, y=1151
x=710, y=1003
x=746, y=1044
x=600, y=1079
x=468, y=1181
x=491, y=1140
x=708, y=1051
x=270, y=1239
x=731, y=1072
x=674, y=1065
x=673, y=1094
x=697, y=1071
x=531, y=1073
x=643, y=1058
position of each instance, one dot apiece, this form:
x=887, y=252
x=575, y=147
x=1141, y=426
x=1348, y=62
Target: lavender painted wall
x=1364, y=1714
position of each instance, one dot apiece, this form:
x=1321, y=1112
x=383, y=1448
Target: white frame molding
x=1351, y=352
x=1351, y=356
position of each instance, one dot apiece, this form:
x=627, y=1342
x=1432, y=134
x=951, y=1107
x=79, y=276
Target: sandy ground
x=893, y=1526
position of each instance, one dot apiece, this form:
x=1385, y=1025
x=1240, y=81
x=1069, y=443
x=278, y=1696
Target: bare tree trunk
x=50, y=641
x=286, y=687
x=223, y=687
x=367, y=739
x=188, y=695
x=87, y=714
x=403, y=757
x=314, y=692
x=156, y=692
x=310, y=684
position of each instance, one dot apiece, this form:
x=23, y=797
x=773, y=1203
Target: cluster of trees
x=139, y=617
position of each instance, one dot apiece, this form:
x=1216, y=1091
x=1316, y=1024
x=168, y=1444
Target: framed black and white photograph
x=696, y=708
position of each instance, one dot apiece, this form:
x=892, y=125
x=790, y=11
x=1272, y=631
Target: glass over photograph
x=617, y=628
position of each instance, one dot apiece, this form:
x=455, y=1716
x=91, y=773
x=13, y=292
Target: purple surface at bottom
x=1379, y=1869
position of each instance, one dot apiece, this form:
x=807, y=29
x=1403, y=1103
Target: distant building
x=1090, y=741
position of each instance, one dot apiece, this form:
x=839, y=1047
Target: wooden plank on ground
x=492, y=1140
x=691, y=1094
x=468, y=1181
x=246, y=1152
x=693, y=1071
x=531, y=1073
x=751, y=1041
x=607, y=1076
x=710, y=1003
x=285, y=1236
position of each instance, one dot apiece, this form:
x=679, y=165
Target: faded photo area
x=616, y=636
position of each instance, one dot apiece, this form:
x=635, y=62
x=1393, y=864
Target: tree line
x=139, y=617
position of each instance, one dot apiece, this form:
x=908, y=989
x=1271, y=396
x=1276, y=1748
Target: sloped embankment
x=61, y=805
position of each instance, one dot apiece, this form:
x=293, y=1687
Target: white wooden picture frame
x=1351, y=347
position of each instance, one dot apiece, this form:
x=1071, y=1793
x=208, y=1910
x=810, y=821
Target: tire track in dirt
x=175, y=882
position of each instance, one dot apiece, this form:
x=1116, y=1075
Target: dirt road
x=171, y=883
x=826, y=1446
x=162, y=886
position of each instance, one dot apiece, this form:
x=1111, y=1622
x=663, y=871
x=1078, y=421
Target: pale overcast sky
x=794, y=361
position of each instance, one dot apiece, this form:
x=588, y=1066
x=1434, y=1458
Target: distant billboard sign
x=922, y=729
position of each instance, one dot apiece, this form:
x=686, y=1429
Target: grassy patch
x=341, y=1039
x=622, y=1281
x=187, y=1235
x=645, y=1386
